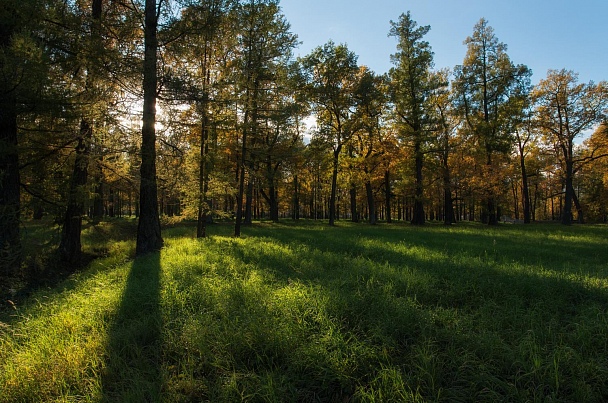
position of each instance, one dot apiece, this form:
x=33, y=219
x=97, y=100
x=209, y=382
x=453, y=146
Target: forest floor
x=304, y=312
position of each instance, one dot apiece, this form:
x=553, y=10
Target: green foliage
x=305, y=312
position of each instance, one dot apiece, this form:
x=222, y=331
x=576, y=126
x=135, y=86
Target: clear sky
x=542, y=34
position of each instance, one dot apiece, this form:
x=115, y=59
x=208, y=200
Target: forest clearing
x=190, y=210
x=310, y=313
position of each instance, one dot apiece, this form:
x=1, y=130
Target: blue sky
x=542, y=34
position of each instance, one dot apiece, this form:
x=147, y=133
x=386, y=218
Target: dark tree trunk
x=525, y=189
x=489, y=215
x=148, y=229
x=371, y=203
x=10, y=243
x=203, y=207
x=569, y=195
x=296, y=198
x=579, y=209
x=449, y=216
x=387, y=195
x=70, y=248
x=418, y=218
x=334, y=186
x=249, y=203
x=241, y=190
x=274, y=204
x=353, y=203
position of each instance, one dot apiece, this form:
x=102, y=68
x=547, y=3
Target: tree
x=24, y=69
x=205, y=33
x=331, y=72
x=566, y=109
x=486, y=84
x=265, y=44
x=524, y=135
x=148, y=229
x=70, y=246
x=447, y=123
x=367, y=144
x=411, y=86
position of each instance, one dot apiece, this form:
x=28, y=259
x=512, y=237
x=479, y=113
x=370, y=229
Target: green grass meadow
x=304, y=312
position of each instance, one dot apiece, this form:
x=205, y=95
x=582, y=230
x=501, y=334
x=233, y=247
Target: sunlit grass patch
x=305, y=312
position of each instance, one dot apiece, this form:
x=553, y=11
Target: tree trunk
x=70, y=248
x=241, y=190
x=334, y=186
x=525, y=189
x=579, y=209
x=249, y=203
x=148, y=229
x=296, y=198
x=567, y=209
x=371, y=203
x=418, y=218
x=10, y=242
x=353, y=202
x=203, y=180
x=387, y=195
x=449, y=216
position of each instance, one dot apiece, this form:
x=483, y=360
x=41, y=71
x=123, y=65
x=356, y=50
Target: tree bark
x=418, y=218
x=334, y=186
x=525, y=189
x=353, y=202
x=70, y=248
x=371, y=203
x=10, y=242
x=148, y=229
x=567, y=210
x=296, y=198
x=449, y=217
x=579, y=209
x=203, y=206
x=387, y=195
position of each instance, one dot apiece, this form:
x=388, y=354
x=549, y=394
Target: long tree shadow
x=132, y=372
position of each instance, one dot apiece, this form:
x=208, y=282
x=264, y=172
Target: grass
x=309, y=313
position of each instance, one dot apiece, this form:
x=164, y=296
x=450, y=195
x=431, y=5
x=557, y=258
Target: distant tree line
x=198, y=109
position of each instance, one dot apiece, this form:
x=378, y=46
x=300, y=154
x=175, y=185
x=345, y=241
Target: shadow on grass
x=132, y=372
x=464, y=309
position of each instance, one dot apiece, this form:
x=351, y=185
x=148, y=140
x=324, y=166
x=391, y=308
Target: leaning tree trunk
x=579, y=209
x=148, y=230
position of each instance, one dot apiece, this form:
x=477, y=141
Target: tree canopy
x=197, y=109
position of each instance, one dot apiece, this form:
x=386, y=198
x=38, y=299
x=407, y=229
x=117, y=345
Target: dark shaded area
x=133, y=357
x=42, y=266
